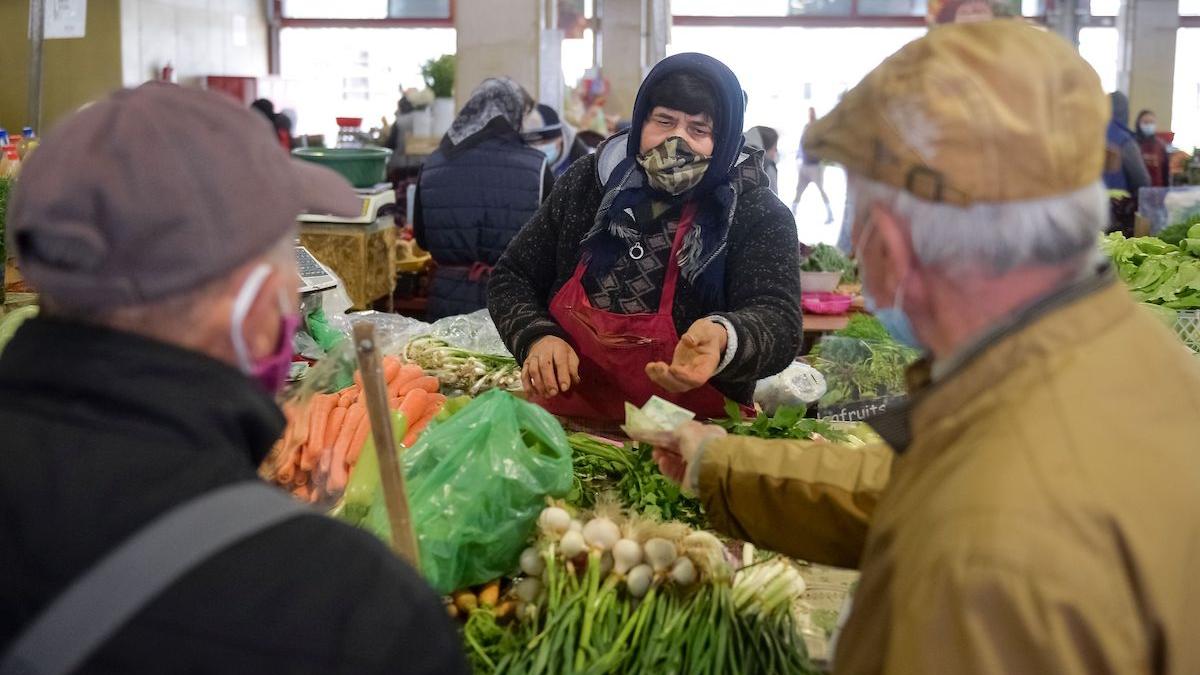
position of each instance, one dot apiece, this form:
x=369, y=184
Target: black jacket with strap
x=103, y=432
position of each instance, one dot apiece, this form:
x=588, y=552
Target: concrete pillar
x=634, y=36
x=1146, y=60
x=517, y=38
x=1065, y=19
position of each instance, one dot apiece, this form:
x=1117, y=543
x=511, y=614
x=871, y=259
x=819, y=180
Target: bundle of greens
x=1179, y=231
x=826, y=258
x=621, y=594
x=631, y=474
x=865, y=327
x=461, y=370
x=788, y=423
x=1157, y=272
x=861, y=362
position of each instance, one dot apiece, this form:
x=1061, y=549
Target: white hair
x=167, y=318
x=998, y=236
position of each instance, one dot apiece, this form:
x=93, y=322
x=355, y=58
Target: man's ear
x=896, y=250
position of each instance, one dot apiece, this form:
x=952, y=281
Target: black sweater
x=102, y=432
x=762, y=280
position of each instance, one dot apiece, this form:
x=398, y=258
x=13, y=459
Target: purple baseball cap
x=155, y=191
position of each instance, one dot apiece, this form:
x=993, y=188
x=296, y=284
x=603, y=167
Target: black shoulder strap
x=96, y=605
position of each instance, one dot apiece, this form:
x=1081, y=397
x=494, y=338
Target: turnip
x=683, y=572
x=626, y=555
x=572, y=544
x=660, y=553
x=554, y=521
x=638, y=580
x=531, y=562
x=528, y=589
x=601, y=534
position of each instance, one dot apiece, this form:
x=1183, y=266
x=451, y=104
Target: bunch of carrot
x=326, y=433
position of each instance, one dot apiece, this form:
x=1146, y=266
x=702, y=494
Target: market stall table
x=824, y=323
x=362, y=255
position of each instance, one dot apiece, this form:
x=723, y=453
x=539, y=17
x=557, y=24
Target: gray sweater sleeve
x=762, y=289
x=1134, y=167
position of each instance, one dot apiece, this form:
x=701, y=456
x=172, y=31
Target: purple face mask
x=271, y=372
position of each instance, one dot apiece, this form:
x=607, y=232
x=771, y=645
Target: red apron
x=614, y=350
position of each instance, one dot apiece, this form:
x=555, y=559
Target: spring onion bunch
x=611, y=593
x=472, y=373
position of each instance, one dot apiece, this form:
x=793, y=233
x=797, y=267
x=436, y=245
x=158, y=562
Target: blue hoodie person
x=660, y=265
x=1124, y=168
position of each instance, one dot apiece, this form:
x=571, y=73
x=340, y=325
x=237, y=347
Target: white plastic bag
x=474, y=332
x=798, y=385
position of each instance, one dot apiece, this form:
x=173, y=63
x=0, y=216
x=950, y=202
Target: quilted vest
x=472, y=205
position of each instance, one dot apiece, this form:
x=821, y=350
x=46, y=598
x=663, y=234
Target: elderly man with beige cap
x=135, y=537
x=1037, y=506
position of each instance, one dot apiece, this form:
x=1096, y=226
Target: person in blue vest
x=475, y=192
x=1124, y=169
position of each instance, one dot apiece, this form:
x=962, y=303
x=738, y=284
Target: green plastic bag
x=476, y=484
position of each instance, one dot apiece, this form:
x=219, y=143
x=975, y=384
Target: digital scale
x=377, y=202
x=377, y=212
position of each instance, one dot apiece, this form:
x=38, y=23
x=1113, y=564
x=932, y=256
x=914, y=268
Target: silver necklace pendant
x=637, y=252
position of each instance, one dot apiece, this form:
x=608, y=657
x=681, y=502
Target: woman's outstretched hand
x=697, y=356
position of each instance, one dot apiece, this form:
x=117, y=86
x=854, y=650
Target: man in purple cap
x=158, y=226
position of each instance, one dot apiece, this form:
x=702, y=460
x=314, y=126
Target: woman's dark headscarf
x=702, y=258
x=1120, y=109
x=1137, y=124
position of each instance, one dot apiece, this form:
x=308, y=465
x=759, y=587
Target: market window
x=791, y=69
x=1100, y=47
x=730, y=8
x=327, y=73
x=1105, y=7
x=892, y=7
x=366, y=9
x=579, y=40
x=1185, y=117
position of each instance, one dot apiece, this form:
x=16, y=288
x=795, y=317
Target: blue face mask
x=550, y=150
x=894, y=319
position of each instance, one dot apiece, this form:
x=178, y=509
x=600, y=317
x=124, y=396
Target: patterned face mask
x=673, y=167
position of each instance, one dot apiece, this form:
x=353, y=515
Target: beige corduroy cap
x=998, y=111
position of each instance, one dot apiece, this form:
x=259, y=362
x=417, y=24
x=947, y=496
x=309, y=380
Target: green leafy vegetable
x=861, y=362
x=1159, y=273
x=631, y=473
x=788, y=423
x=826, y=258
x=1179, y=231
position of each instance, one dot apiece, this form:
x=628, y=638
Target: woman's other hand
x=696, y=359
x=551, y=368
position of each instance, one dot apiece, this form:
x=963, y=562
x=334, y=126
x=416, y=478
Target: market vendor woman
x=669, y=230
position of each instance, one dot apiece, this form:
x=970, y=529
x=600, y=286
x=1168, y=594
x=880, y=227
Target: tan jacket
x=1044, y=519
